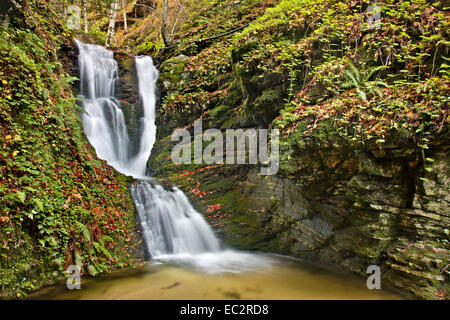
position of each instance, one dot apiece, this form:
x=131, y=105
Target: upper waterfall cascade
x=103, y=119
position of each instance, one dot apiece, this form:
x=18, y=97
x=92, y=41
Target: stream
x=187, y=260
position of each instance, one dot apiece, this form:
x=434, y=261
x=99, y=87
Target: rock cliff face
x=355, y=208
x=340, y=205
x=334, y=202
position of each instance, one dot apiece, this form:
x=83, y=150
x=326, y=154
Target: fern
x=100, y=246
x=78, y=259
x=372, y=72
x=84, y=231
x=361, y=94
x=362, y=82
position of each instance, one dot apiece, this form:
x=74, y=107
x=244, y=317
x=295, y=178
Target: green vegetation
x=327, y=63
x=59, y=204
x=316, y=70
x=363, y=83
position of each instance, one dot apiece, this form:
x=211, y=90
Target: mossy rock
x=237, y=54
x=171, y=74
x=267, y=106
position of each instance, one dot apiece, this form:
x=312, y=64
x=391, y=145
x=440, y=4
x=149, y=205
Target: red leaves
x=214, y=207
x=196, y=192
x=71, y=198
x=185, y=173
x=440, y=293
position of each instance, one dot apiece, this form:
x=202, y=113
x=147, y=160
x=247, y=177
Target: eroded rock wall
x=337, y=204
x=355, y=208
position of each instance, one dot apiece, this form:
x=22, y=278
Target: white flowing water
x=147, y=76
x=182, y=231
x=103, y=120
x=173, y=230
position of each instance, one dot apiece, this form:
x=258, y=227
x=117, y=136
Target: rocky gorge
x=364, y=165
x=338, y=201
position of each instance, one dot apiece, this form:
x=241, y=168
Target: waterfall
x=182, y=231
x=173, y=230
x=147, y=76
x=103, y=120
x=169, y=222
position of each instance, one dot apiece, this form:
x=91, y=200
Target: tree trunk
x=125, y=26
x=164, y=31
x=112, y=22
x=64, y=10
x=85, y=16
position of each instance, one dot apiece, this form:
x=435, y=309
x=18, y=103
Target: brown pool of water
x=287, y=280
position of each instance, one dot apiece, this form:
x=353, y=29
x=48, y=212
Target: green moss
x=269, y=99
x=59, y=204
x=234, y=95
x=171, y=73
x=218, y=111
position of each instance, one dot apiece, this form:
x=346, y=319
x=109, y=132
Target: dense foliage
x=300, y=65
x=59, y=205
x=370, y=80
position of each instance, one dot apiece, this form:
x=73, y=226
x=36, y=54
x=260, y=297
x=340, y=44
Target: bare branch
x=17, y=5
